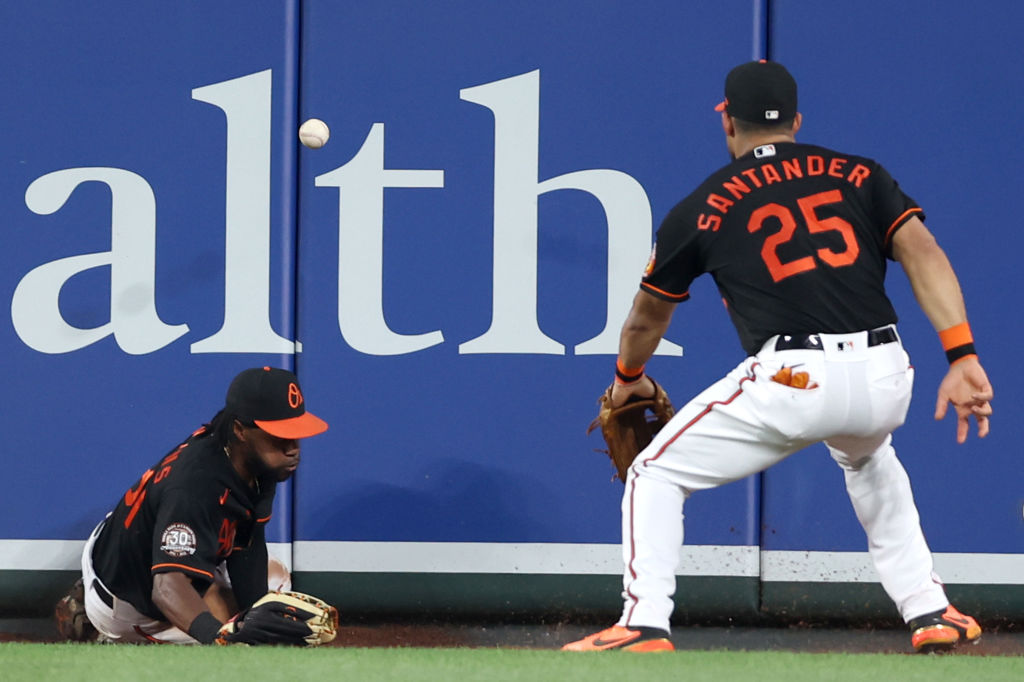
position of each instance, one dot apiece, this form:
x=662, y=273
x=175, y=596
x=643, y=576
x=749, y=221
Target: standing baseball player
x=184, y=549
x=796, y=237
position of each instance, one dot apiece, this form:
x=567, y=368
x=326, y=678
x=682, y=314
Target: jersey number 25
x=808, y=204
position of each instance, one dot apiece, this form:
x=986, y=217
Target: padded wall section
x=458, y=300
x=147, y=159
x=926, y=89
x=456, y=265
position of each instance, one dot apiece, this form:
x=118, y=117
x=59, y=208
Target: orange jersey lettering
x=792, y=169
x=835, y=168
x=770, y=174
x=708, y=222
x=737, y=188
x=719, y=202
x=751, y=174
x=858, y=175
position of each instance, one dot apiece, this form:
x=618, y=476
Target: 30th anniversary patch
x=178, y=540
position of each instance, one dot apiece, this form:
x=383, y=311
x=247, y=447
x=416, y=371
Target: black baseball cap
x=760, y=92
x=271, y=399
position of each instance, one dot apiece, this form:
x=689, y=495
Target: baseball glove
x=628, y=429
x=286, y=618
x=72, y=622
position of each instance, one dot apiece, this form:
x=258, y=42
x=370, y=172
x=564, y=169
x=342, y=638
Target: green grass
x=39, y=662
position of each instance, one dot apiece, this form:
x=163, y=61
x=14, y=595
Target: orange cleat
x=943, y=630
x=638, y=640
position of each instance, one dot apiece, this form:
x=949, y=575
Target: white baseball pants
x=745, y=423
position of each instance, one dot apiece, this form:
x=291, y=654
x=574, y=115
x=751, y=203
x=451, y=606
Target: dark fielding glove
x=628, y=429
x=286, y=618
x=72, y=622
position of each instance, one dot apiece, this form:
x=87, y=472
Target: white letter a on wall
x=35, y=308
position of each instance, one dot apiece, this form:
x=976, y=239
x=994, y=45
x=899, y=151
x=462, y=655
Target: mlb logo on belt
x=844, y=345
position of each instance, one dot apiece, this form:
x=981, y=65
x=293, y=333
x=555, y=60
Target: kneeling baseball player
x=182, y=558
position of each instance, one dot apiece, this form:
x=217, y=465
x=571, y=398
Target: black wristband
x=628, y=378
x=954, y=354
x=204, y=628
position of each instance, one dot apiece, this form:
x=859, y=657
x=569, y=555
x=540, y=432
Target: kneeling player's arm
x=182, y=606
x=248, y=570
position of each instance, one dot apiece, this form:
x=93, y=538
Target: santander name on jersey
x=740, y=185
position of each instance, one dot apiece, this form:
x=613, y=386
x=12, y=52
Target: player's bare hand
x=644, y=388
x=967, y=387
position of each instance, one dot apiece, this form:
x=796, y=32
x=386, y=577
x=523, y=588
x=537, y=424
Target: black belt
x=105, y=596
x=876, y=337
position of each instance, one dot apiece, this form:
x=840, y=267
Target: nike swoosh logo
x=959, y=620
x=224, y=497
x=620, y=640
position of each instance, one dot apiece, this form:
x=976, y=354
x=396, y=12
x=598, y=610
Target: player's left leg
x=652, y=533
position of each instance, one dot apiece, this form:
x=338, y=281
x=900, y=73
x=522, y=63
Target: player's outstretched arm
x=938, y=292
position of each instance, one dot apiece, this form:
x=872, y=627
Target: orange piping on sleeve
x=899, y=221
x=674, y=297
x=184, y=567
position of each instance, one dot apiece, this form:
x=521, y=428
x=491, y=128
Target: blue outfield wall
x=449, y=274
x=148, y=203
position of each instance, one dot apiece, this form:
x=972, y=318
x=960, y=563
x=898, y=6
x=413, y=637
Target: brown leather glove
x=629, y=428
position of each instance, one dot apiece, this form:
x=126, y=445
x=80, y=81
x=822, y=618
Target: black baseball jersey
x=796, y=238
x=187, y=514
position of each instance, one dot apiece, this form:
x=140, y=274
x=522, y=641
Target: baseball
x=314, y=133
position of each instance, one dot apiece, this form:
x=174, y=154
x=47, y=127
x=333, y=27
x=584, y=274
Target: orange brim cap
x=303, y=426
x=722, y=105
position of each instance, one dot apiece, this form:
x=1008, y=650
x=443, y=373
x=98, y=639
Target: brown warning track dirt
x=1002, y=641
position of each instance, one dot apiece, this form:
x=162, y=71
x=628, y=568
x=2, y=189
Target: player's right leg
x=942, y=630
x=880, y=491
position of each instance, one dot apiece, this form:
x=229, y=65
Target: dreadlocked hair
x=221, y=428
